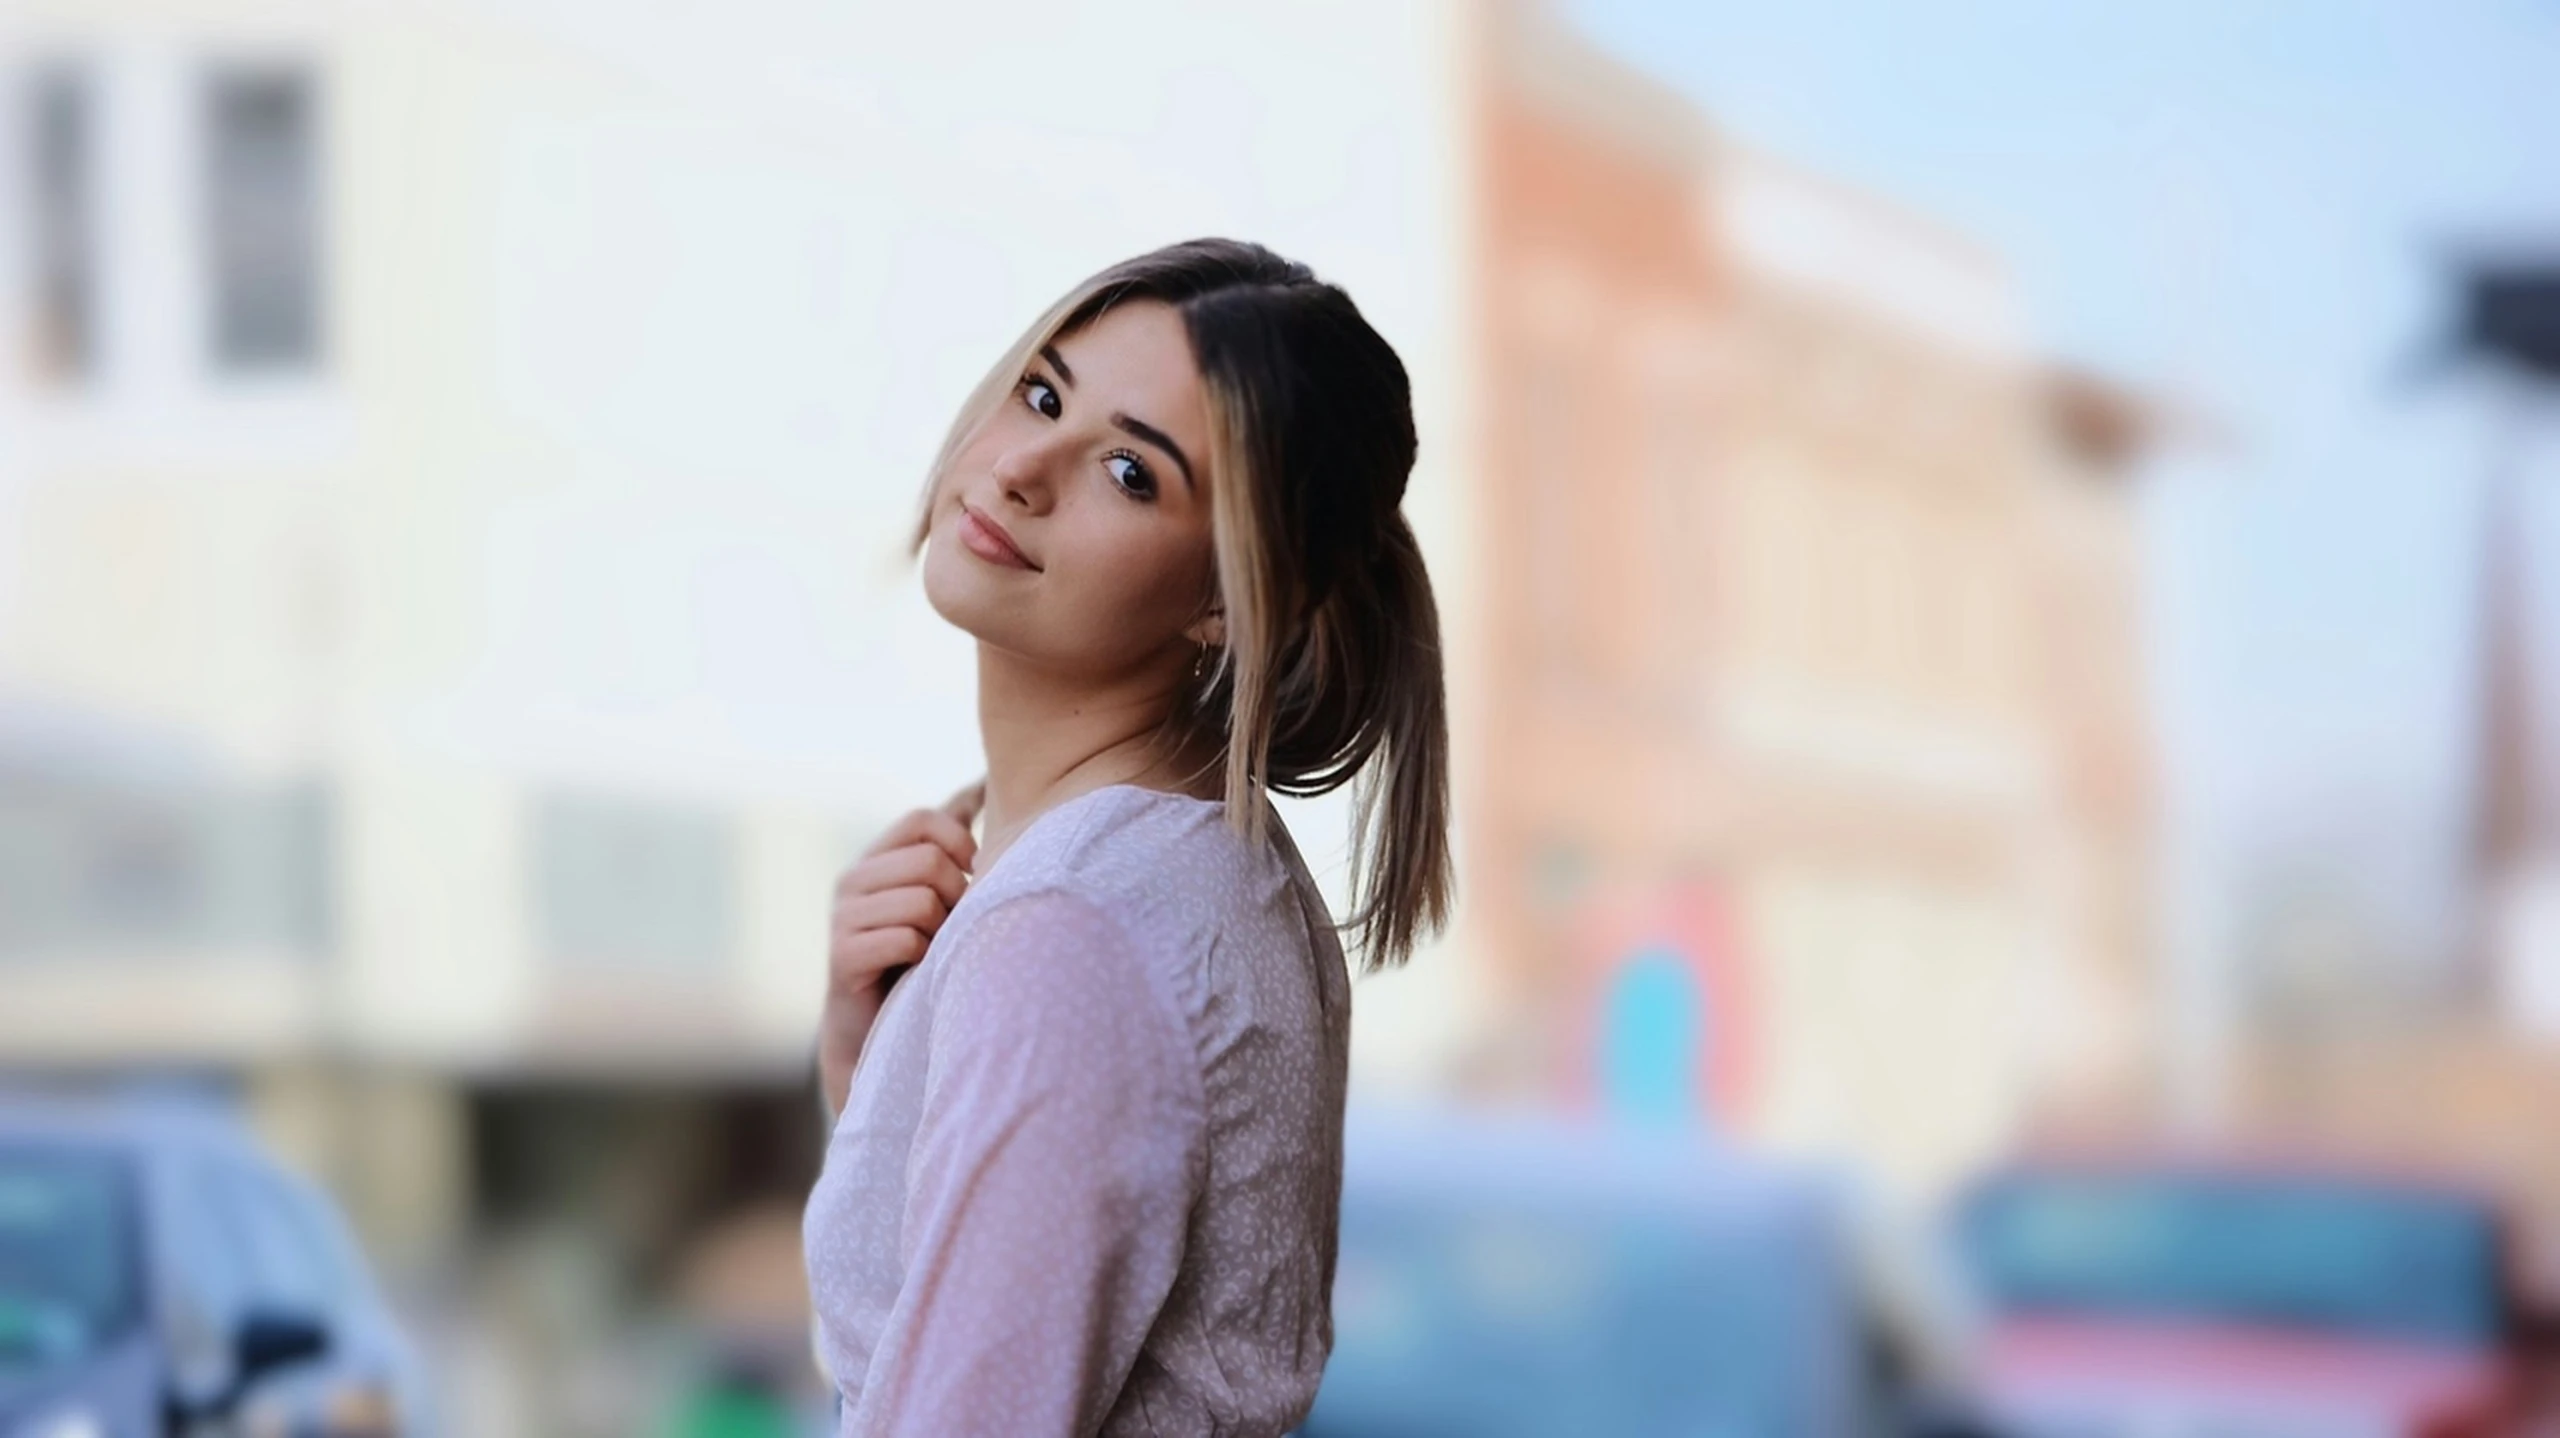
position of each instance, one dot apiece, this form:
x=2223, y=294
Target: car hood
x=119, y=1385
x=2265, y=1379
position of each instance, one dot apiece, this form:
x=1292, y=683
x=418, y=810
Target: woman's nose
x=1024, y=474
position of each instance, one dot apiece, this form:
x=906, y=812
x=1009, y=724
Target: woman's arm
x=1060, y=1149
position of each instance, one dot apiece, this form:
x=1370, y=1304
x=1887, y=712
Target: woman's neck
x=1050, y=739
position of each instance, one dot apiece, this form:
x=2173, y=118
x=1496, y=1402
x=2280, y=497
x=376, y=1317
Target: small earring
x=1200, y=662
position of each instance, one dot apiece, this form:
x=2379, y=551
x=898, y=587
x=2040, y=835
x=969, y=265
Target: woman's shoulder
x=1168, y=869
x=1122, y=843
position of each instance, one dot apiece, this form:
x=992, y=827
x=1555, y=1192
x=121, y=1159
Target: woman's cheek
x=1146, y=591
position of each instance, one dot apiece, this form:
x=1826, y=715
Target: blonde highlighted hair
x=1331, y=670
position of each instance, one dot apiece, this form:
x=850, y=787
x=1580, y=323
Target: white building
x=473, y=443
x=453, y=466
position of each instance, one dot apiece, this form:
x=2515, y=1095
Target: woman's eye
x=1130, y=473
x=1037, y=393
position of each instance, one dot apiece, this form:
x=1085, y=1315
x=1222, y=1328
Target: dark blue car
x=160, y=1277
x=1506, y=1277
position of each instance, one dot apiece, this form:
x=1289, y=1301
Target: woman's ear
x=1209, y=630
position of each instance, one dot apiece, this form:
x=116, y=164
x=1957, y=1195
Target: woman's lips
x=986, y=539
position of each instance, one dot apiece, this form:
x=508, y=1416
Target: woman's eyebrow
x=1050, y=353
x=1160, y=440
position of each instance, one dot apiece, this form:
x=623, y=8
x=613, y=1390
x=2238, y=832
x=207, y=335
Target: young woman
x=1087, y=1165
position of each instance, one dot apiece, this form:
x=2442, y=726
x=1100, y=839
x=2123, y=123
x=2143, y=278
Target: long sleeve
x=1059, y=1151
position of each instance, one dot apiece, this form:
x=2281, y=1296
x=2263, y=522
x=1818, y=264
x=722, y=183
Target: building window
x=263, y=218
x=62, y=242
x=96, y=870
x=1555, y=488
x=1560, y=876
x=625, y=883
x=1674, y=476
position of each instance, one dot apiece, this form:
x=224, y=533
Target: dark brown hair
x=1331, y=667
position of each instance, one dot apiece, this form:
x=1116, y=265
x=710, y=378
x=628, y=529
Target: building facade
x=1816, y=713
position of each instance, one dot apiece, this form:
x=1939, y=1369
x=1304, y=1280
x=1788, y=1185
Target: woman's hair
x=1331, y=664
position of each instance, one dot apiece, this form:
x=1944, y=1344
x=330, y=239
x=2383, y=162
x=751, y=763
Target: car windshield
x=2367, y=1260
x=68, y=1271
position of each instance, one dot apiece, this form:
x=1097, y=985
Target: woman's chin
x=953, y=606
x=962, y=599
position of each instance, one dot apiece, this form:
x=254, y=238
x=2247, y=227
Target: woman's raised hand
x=888, y=906
x=892, y=901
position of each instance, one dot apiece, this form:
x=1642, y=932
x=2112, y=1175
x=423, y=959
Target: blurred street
x=1998, y=593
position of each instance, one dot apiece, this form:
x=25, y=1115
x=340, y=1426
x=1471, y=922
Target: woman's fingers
x=908, y=828
x=952, y=836
x=930, y=826
x=913, y=906
x=890, y=904
x=856, y=962
x=917, y=863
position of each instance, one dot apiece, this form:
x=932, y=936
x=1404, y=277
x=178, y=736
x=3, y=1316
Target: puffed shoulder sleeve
x=1060, y=1150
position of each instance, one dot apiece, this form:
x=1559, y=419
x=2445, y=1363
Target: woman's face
x=1072, y=527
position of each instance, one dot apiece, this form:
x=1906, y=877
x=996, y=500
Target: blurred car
x=159, y=1275
x=1513, y=1276
x=2137, y=1295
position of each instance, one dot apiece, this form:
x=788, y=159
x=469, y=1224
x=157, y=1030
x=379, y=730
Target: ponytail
x=1400, y=843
